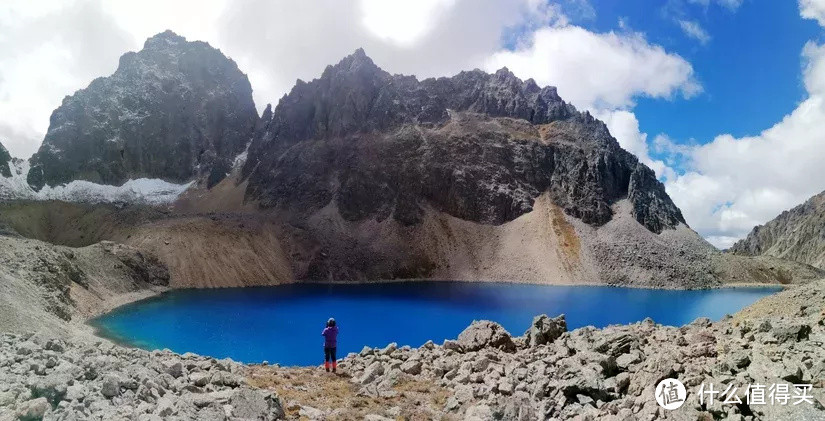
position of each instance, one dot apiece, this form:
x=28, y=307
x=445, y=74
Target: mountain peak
x=359, y=52
x=357, y=62
x=504, y=72
x=164, y=39
x=145, y=120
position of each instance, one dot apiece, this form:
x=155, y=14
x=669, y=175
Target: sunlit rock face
x=174, y=111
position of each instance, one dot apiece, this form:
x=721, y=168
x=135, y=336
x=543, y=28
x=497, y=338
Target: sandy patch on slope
x=540, y=246
x=217, y=251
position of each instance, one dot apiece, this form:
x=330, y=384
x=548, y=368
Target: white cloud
x=736, y=183
x=813, y=9
x=692, y=29
x=402, y=22
x=299, y=39
x=275, y=42
x=599, y=71
x=728, y=4
x=48, y=50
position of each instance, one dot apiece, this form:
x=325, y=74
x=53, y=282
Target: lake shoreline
x=118, y=303
x=458, y=302
x=465, y=376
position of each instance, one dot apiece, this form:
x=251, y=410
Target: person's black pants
x=329, y=355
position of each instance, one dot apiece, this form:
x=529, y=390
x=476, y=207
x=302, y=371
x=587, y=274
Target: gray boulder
x=545, y=330
x=175, y=369
x=52, y=387
x=255, y=404
x=372, y=372
x=33, y=410
x=789, y=330
x=111, y=386
x=484, y=333
x=411, y=367
x=615, y=344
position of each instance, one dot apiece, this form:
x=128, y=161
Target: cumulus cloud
x=405, y=21
x=813, y=9
x=734, y=184
x=295, y=40
x=694, y=30
x=275, y=42
x=599, y=70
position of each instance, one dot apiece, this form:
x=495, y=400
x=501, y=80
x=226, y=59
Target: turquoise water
x=283, y=323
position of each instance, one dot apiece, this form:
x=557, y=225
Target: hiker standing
x=330, y=334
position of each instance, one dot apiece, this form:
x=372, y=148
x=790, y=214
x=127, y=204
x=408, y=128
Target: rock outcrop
x=545, y=329
x=477, y=146
x=5, y=162
x=797, y=234
x=174, y=110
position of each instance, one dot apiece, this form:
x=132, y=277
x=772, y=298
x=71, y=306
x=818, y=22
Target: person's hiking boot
x=334, y=366
x=326, y=367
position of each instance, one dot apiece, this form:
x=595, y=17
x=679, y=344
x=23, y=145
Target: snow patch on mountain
x=151, y=191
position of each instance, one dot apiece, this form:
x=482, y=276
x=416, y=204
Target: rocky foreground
x=607, y=373
x=53, y=379
x=485, y=374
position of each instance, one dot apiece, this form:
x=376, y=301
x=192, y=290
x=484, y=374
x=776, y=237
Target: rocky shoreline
x=485, y=374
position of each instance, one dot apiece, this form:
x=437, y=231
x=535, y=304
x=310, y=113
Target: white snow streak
x=150, y=191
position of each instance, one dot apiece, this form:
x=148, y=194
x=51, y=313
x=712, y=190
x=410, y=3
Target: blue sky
x=749, y=69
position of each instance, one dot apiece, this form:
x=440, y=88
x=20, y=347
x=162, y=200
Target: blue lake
x=283, y=323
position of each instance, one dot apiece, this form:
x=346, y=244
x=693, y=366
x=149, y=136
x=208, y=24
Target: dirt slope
x=57, y=288
x=240, y=246
x=217, y=251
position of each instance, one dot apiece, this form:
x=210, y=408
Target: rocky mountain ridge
x=175, y=110
x=477, y=146
x=797, y=234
